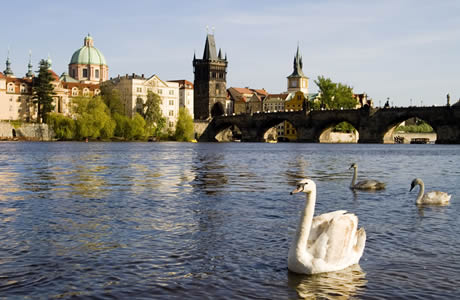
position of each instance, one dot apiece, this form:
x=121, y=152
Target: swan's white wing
x=320, y=223
x=342, y=237
x=436, y=197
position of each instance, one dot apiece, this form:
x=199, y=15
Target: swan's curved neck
x=355, y=174
x=306, y=218
x=420, y=193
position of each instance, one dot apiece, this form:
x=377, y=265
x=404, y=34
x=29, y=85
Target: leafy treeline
x=420, y=126
x=102, y=117
x=334, y=95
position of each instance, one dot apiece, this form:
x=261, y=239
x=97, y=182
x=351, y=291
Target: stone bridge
x=373, y=125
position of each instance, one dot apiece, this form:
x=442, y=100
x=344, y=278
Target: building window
x=160, y=91
x=73, y=73
x=96, y=73
x=171, y=102
x=85, y=72
x=139, y=90
x=85, y=92
x=10, y=87
x=97, y=92
x=23, y=89
x=171, y=124
x=74, y=91
x=171, y=92
x=171, y=113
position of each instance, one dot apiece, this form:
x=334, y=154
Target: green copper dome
x=88, y=54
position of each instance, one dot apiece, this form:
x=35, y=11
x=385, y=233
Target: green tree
x=64, y=127
x=111, y=98
x=184, y=126
x=93, y=118
x=128, y=128
x=154, y=120
x=335, y=95
x=43, y=91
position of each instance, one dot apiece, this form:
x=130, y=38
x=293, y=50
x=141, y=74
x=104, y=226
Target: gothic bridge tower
x=210, y=84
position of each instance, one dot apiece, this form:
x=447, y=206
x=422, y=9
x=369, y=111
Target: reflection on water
x=206, y=221
x=334, y=285
x=210, y=174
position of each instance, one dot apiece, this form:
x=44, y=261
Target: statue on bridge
x=448, y=100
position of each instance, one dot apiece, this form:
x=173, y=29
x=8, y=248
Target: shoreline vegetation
x=102, y=118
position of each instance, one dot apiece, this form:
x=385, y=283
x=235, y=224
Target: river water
x=214, y=221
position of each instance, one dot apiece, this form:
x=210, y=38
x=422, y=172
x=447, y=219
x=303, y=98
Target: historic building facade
x=133, y=91
x=185, y=95
x=210, y=83
x=16, y=93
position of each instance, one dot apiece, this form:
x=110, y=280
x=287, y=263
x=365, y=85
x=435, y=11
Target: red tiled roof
x=261, y=92
x=70, y=85
x=282, y=96
x=243, y=90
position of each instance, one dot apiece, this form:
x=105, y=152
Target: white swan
x=326, y=243
x=364, y=184
x=430, y=198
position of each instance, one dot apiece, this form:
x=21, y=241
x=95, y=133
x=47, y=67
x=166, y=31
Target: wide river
x=215, y=221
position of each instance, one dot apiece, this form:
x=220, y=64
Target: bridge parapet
x=372, y=124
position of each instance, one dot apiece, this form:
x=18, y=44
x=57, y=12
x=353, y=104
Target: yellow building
x=296, y=101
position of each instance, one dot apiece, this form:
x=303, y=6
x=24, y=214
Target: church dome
x=88, y=54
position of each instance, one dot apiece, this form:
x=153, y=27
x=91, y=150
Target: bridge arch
x=390, y=123
x=323, y=127
x=217, y=109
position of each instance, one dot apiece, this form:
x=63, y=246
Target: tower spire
x=8, y=71
x=30, y=73
x=298, y=65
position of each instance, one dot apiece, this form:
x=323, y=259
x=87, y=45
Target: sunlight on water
x=178, y=220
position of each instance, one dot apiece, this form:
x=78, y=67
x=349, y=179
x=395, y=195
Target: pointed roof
x=297, y=65
x=8, y=71
x=210, y=52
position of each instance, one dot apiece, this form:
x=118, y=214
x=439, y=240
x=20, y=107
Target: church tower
x=210, y=84
x=297, y=81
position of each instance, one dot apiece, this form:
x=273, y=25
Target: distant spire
x=220, y=54
x=298, y=65
x=8, y=71
x=49, y=62
x=30, y=73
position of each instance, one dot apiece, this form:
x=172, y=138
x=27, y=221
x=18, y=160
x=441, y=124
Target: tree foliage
x=111, y=98
x=184, y=126
x=43, y=91
x=335, y=95
x=64, y=127
x=93, y=120
x=151, y=112
x=130, y=129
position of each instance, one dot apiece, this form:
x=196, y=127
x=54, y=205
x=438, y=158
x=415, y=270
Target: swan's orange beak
x=298, y=189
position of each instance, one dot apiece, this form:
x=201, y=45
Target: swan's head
x=353, y=166
x=305, y=185
x=416, y=181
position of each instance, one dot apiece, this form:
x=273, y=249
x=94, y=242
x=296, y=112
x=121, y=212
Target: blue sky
x=403, y=50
